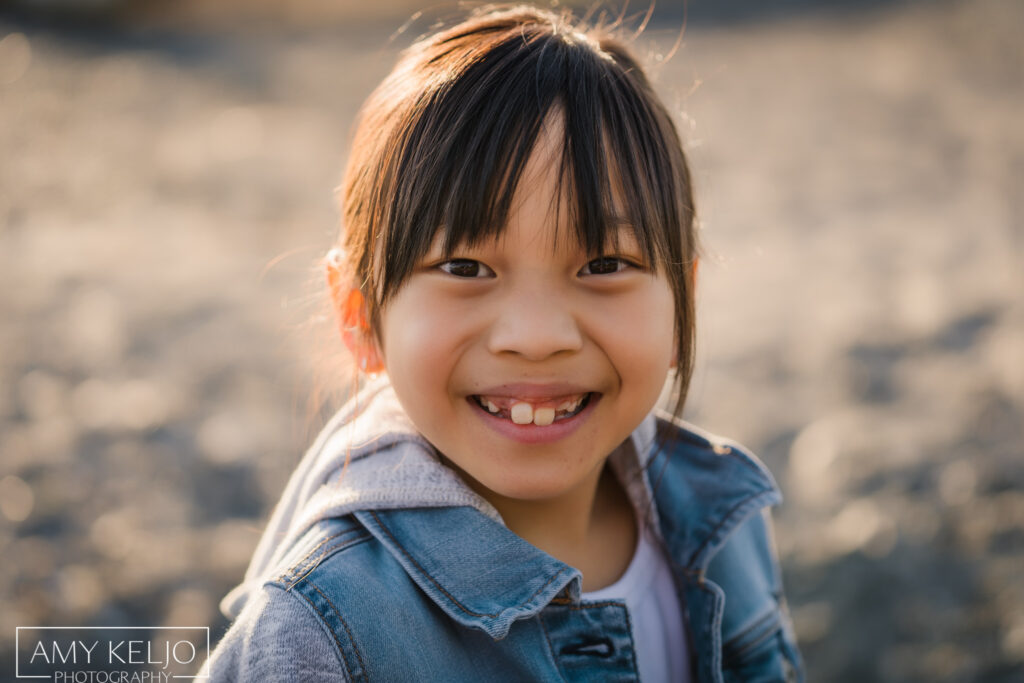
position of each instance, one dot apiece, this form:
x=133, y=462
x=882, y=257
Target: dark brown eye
x=606, y=265
x=465, y=268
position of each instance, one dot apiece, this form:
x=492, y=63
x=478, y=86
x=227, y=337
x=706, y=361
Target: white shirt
x=655, y=612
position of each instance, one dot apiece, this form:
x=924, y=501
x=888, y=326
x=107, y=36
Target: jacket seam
x=551, y=648
x=292, y=574
x=348, y=631
x=709, y=627
x=735, y=653
x=441, y=588
x=736, y=657
x=330, y=551
x=330, y=631
x=632, y=642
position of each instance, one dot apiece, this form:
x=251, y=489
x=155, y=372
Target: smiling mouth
x=541, y=414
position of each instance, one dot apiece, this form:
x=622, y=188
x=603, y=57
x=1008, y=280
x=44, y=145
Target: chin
x=530, y=488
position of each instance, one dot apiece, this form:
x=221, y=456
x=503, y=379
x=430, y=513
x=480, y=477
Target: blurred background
x=167, y=172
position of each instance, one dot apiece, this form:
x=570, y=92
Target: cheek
x=663, y=323
x=421, y=341
x=639, y=331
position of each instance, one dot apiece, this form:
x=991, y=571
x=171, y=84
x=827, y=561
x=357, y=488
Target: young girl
x=500, y=500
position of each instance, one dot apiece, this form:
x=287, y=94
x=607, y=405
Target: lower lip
x=531, y=433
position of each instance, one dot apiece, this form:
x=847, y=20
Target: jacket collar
x=704, y=487
x=695, y=488
x=476, y=570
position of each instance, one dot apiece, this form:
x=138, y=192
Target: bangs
x=458, y=160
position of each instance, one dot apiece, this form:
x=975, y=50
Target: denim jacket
x=391, y=569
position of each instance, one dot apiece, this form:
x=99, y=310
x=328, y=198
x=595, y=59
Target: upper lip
x=534, y=391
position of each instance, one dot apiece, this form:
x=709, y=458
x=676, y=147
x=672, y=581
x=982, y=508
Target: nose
x=535, y=324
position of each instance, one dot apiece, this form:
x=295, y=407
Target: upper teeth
x=523, y=412
x=572, y=405
x=543, y=416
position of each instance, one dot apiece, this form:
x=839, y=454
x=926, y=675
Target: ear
x=350, y=310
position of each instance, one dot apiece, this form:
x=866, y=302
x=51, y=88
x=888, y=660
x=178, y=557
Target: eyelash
x=462, y=261
x=622, y=264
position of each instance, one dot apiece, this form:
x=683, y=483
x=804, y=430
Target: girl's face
x=527, y=330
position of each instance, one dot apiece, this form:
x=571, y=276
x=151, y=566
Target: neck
x=573, y=512
x=591, y=527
